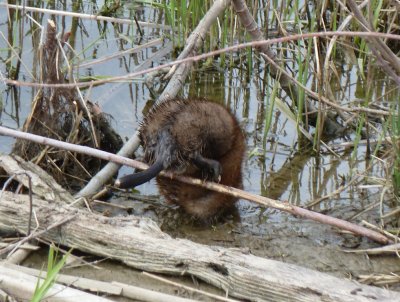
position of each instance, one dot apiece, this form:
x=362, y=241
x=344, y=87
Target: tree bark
x=139, y=243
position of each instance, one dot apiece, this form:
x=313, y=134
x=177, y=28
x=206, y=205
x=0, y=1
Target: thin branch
x=388, y=249
x=323, y=99
x=36, y=234
x=83, y=16
x=390, y=63
x=264, y=201
x=207, y=55
x=122, y=53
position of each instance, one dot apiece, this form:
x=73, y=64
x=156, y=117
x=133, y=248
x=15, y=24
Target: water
x=278, y=166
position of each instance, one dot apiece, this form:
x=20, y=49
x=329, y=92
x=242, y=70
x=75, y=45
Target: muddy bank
x=266, y=233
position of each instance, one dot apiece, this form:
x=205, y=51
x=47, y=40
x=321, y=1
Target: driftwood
x=43, y=184
x=97, y=287
x=22, y=286
x=138, y=242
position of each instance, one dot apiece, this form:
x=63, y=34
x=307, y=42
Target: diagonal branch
x=378, y=47
x=332, y=126
x=193, y=43
x=261, y=200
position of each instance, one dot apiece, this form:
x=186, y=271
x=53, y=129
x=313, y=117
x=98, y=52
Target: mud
x=263, y=232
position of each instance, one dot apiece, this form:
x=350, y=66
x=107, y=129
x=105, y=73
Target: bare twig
x=388, y=249
x=264, y=201
x=36, y=234
x=207, y=55
x=375, y=228
x=389, y=62
x=122, y=53
x=331, y=194
x=84, y=16
x=146, y=295
x=323, y=99
x=380, y=279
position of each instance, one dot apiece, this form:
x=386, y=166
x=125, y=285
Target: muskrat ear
x=136, y=179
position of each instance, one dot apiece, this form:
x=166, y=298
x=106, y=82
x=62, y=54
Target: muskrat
x=196, y=138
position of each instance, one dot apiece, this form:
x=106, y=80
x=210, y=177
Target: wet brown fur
x=197, y=126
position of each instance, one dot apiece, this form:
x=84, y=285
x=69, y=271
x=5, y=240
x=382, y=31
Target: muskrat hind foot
x=212, y=168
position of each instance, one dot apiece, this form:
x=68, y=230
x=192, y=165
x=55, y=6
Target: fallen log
x=139, y=243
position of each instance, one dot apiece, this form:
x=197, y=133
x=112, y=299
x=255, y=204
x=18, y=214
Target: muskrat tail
x=135, y=179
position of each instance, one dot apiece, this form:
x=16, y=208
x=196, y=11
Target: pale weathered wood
x=20, y=255
x=4, y=297
x=115, y=288
x=145, y=295
x=43, y=184
x=22, y=286
x=77, y=282
x=140, y=243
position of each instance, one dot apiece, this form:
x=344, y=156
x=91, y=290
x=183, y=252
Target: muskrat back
x=196, y=138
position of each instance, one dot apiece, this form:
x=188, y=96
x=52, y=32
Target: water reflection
x=281, y=166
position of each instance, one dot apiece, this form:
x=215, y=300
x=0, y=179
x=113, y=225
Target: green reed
x=396, y=148
x=183, y=16
x=269, y=110
x=54, y=265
